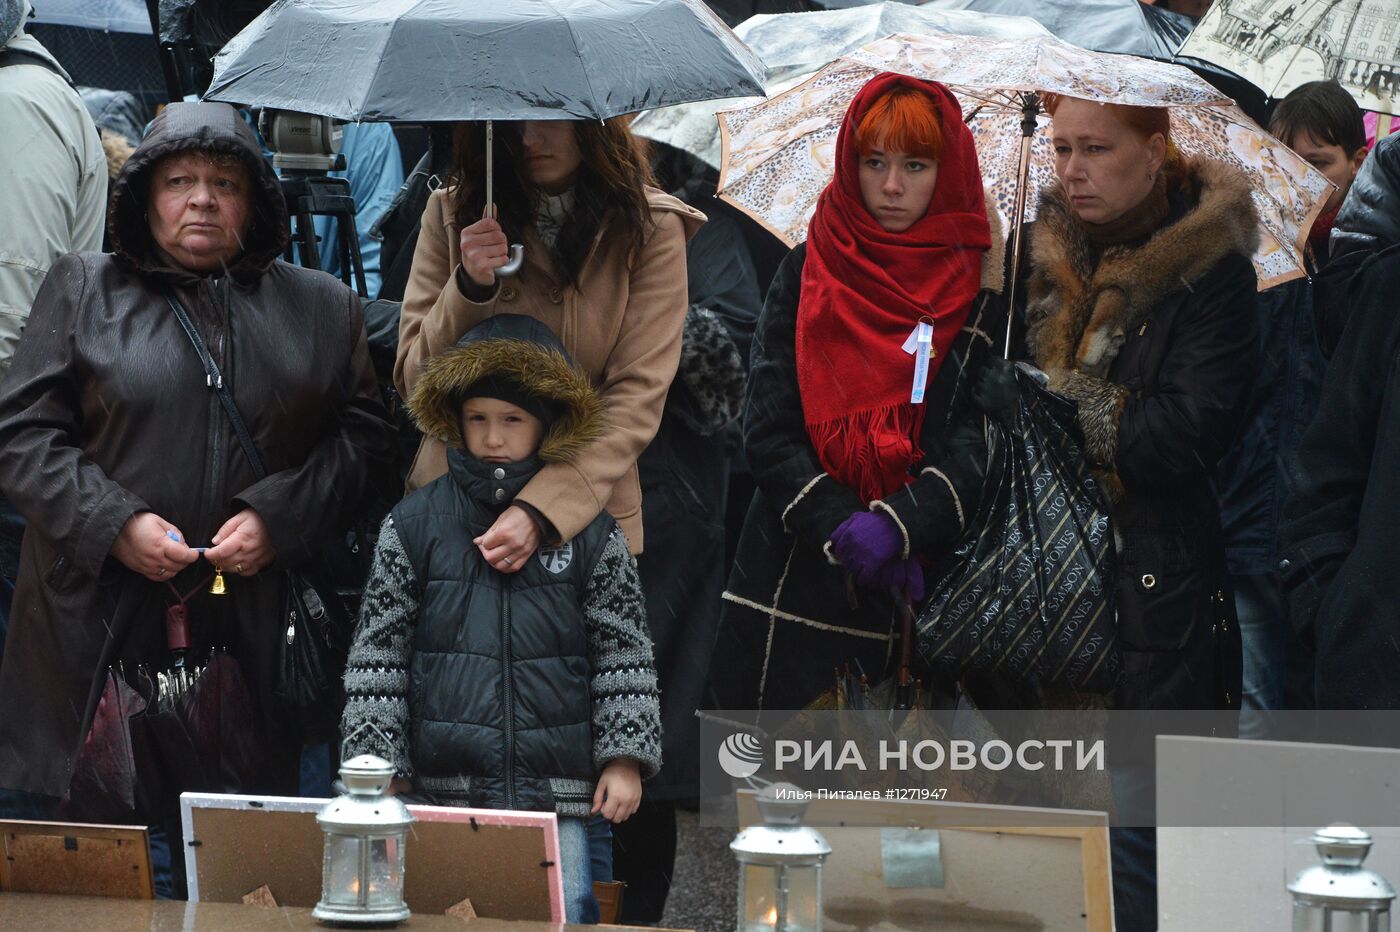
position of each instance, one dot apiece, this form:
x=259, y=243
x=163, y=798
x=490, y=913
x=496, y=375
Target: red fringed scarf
x=864, y=290
x=1321, y=233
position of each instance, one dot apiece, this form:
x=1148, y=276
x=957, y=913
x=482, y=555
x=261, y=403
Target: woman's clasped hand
x=152, y=546
x=242, y=545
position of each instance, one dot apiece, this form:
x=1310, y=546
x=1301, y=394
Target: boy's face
x=1332, y=160
x=497, y=431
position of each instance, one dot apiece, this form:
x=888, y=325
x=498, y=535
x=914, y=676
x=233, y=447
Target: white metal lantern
x=362, y=879
x=1339, y=895
x=780, y=866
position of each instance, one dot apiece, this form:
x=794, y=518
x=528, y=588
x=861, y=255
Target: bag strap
x=215, y=380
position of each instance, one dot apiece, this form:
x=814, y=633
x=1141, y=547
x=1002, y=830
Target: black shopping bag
x=1029, y=595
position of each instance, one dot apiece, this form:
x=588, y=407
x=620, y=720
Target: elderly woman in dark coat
x=122, y=459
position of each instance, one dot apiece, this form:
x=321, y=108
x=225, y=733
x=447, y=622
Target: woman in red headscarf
x=861, y=366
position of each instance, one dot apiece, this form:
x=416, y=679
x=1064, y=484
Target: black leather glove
x=994, y=389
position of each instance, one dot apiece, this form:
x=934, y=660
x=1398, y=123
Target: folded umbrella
x=218, y=714
x=103, y=788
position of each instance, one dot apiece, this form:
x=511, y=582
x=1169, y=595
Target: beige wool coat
x=621, y=324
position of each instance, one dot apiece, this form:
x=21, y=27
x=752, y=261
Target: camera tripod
x=313, y=194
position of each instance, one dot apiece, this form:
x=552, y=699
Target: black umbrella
x=200, y=718
x=450, y=60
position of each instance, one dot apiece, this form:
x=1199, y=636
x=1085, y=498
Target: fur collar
x=1079, y=314
x=994, y=259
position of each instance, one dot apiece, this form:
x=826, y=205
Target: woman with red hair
x=860, y=367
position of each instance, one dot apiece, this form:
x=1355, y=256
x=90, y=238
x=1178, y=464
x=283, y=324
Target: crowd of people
x=633, y=487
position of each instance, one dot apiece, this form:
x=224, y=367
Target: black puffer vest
x=499, y=685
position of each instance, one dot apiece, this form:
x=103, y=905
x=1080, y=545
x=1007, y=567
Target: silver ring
x=507, y=561
x=162, y=572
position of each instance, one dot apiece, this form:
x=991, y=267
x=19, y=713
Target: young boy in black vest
x=530, y=690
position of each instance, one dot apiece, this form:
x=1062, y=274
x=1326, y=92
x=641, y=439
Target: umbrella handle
x=512, y=266
x=517, y=251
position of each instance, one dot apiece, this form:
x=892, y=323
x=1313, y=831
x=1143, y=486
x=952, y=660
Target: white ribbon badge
x=920, y=346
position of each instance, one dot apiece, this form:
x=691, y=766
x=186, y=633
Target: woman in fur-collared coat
x=1141, y=308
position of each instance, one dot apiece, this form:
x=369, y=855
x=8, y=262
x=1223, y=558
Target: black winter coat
x=105, y=413
x=507, y=691
x=684, y=473
x=792, y=615
x=1157, y=342
x=1255, y=478
x=1340, y=537
x=500, y=676
x=1368, y=222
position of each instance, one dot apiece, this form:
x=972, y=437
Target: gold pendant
x=218, y=587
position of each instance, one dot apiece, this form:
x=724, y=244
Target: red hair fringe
x=904, y=120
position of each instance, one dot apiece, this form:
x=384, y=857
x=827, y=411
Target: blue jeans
x=576, y=862
x=11, y=533
x=600, y=848
x=1133, y=854
x=1263, y=615
x=319, y=770
x=14, y=804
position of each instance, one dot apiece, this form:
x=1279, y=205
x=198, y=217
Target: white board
x=1236, y=878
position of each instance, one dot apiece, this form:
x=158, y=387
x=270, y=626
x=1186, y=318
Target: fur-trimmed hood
x=525, y=350
x=1079, y=313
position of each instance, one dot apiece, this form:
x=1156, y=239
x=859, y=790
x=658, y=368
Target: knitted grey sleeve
x=626, y=702
x=376, y=673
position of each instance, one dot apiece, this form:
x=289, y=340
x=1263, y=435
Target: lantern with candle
x=780, y=866
x=1339, y=895
x=363, y=868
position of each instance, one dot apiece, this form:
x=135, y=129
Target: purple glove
x=903, y=576
x=865, y=542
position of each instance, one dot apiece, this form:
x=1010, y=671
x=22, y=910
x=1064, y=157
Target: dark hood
x=203, y=127
x=1370, y=216
x=522, y=349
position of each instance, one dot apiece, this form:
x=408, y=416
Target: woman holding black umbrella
x=118, y=451
x=865, y=350
x=604, y=268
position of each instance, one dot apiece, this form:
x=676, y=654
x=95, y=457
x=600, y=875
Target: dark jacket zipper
x=220, y=419
x=209, y=493
x=508, y=691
